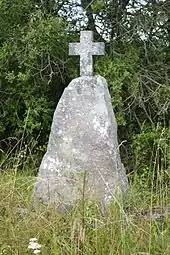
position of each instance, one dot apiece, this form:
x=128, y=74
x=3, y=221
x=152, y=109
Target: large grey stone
x=82, y=158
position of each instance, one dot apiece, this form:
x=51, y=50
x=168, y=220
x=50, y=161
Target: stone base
x=82, y=158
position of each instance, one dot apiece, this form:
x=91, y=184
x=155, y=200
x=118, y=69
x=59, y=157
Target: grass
x=138, y=225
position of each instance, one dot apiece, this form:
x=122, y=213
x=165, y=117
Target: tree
x=34, y=66
x=136, y=65
x=34, y=70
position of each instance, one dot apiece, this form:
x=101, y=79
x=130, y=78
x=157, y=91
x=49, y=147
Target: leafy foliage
x=33, y=74
x=35, y=68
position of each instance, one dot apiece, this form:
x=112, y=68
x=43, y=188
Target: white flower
x=34, y=246
x=34, y=239
x=36, y=251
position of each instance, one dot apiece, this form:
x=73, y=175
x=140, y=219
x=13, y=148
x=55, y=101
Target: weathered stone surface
x=82, y=157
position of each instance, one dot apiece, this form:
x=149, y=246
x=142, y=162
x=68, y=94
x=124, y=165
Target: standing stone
x=82, y=158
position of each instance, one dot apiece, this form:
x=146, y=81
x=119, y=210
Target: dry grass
x=138, y=225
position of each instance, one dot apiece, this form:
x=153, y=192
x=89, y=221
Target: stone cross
x=83, y=145
x=86, y=49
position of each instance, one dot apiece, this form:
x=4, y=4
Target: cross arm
x=98, y=48
x=74, y=48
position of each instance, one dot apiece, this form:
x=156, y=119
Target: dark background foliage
x=35, y=68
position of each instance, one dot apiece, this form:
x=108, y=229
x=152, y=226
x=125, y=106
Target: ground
x=137, y=224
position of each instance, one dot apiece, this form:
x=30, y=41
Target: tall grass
x=139, y=224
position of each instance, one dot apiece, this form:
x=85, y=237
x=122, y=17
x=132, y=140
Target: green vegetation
x=34, y=70
x=139, y=225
